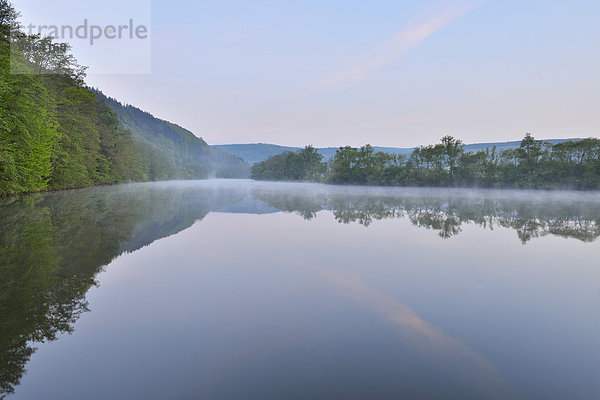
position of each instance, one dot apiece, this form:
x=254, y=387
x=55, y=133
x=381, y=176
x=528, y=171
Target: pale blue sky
x=394, y=73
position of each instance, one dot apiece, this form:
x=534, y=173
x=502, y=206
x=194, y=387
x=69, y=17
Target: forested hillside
x=253, y=153
x=56, y=133
x=176, y=152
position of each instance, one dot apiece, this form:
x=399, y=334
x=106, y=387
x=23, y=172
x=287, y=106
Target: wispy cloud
x=401, y=43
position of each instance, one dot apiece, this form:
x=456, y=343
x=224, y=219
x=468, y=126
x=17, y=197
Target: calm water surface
x=242, y=290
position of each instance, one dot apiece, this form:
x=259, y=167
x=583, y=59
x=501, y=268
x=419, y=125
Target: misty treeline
x=178, y=153
x=534, y=164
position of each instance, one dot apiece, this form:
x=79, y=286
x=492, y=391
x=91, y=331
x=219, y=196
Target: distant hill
x=176, y=150
x=508, y=145
x=257, y=152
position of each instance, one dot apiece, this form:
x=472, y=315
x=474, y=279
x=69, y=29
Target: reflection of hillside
x=446, y=213
x=249, y=205
x=53, y=245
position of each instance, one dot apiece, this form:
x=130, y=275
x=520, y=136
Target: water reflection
x=52, y=246
x=530, y=214
x=470, y=367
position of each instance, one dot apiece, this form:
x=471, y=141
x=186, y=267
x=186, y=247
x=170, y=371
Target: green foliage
x=27, y=124
x=54, y=132
x=534, y=164
x=364, y=166
x=306, y=165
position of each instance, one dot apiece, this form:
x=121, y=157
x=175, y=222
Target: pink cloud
x=401, y=43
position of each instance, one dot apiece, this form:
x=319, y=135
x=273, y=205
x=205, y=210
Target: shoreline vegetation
x=570, y=165
x=57, y=133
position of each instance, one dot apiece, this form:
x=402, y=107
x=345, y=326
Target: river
x=232, y=289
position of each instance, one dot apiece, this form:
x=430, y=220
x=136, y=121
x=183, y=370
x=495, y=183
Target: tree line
x=534, y=164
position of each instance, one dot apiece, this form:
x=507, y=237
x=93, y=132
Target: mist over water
x=230, y=289
x=531, y=213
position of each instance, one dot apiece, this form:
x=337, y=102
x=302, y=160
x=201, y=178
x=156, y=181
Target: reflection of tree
x=52, y=247
x=28, y=285
x=446, y=223
x=306, y=204
x=578, y=227
x=362, y=211
x=446, y=213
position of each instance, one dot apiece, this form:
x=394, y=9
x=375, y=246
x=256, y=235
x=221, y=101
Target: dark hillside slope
x=177, y=151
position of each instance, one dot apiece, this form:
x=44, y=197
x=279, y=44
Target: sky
x=386, y=72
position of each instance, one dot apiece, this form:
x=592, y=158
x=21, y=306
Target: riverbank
x=573, y=165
